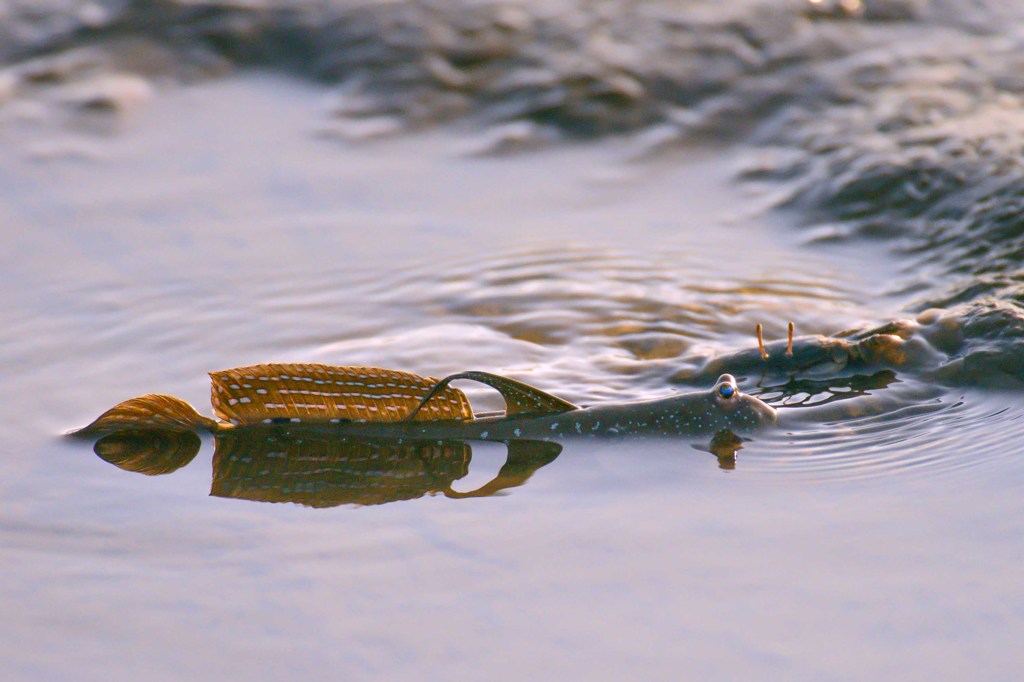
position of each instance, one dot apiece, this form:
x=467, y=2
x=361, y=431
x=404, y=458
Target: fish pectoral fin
x=519, y=398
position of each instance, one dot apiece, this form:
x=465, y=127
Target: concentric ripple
x=939, y=435
x=600, y=322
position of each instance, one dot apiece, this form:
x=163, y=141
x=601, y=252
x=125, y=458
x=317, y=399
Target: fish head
x=736, y=410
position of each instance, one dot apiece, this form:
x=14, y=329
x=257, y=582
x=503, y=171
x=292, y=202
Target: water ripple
x=938, y=436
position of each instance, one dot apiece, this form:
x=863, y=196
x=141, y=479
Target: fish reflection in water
x=325, y=471
x=315, y=469
x=149, y=451
x=274, y=464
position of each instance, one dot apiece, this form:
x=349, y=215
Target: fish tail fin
x=149, y=412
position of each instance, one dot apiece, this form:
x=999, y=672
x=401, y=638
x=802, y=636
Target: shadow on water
x=320, y=470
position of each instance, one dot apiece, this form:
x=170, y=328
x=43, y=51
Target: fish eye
x=727, y=390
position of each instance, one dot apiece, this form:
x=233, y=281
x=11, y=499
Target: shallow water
x=224, y=222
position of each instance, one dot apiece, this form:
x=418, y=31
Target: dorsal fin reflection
x=274, y=464
x=318, y=470
x=322, y=471
x=522, y=461
x=148, y=451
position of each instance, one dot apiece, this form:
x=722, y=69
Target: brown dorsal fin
x=519, y=398
x=151, y=411
x=311, y=393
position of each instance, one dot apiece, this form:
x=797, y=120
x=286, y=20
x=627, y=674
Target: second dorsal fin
x=519, y=397
x=310, y=393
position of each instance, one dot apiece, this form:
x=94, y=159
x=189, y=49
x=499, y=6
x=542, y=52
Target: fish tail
x=149, y=412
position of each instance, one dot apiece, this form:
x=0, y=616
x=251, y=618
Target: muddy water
x=225, y=223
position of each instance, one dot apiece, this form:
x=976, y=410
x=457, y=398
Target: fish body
x=377, y=403
x=688, y=414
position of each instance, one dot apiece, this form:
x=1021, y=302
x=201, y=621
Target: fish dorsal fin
x=519, y=398
x=311, y=393
x=149, y=412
